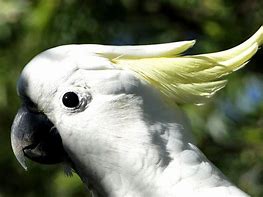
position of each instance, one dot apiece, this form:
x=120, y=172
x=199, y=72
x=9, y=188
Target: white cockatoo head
x=102, y=108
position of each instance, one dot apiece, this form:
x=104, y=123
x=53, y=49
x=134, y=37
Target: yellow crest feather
x=192, y=78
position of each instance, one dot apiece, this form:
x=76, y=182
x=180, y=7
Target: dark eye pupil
x=70, y=99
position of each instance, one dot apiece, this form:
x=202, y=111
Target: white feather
x=125, y=141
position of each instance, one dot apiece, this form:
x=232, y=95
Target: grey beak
x=17, y=136
x=35, y=137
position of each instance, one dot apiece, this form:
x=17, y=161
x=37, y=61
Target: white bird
x=112, y=114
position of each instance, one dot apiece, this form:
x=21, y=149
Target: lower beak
x=34, y=136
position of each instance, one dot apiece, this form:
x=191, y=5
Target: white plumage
x=127, y=137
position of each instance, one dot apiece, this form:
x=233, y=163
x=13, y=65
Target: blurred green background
x=228, y=129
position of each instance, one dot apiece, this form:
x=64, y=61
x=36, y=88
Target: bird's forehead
x=45, y=69
x=60, y=61
x=51, y=68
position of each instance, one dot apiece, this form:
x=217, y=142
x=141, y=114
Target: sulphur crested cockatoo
x=112, y=114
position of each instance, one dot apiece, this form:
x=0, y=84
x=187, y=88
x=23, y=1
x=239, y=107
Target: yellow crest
x=184, y=79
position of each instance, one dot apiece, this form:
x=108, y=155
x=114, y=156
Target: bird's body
x=159, y=158
x=151, y=143
x=124, y=135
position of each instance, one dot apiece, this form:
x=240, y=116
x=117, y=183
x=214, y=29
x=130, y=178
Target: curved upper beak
x=34, y=136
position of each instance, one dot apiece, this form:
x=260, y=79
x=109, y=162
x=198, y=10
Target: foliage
x=229, y=129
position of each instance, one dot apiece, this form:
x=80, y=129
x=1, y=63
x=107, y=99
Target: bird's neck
x=145, y=150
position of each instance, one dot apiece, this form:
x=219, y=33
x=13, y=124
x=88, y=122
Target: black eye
x=70, y=99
